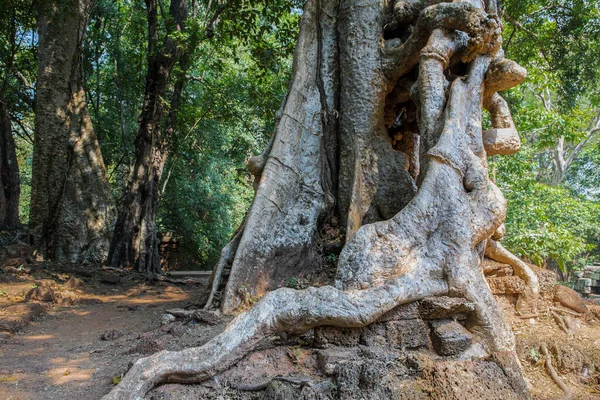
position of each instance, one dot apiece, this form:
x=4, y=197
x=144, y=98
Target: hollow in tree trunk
x=72, y=210
x=381, y=133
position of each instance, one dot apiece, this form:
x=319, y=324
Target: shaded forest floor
x=79, y=342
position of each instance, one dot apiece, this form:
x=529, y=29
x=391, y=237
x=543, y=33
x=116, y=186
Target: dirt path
x=60, y=354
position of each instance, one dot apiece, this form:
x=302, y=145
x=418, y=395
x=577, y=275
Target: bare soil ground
x=56, y=351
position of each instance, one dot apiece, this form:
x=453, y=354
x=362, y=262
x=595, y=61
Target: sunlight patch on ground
x=38, y=337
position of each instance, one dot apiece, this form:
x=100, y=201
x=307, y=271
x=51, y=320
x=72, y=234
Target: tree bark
x=72, y=210
x=10, y=189
x=134, y=241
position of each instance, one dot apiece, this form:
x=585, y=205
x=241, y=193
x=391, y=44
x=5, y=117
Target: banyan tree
x=381, y=137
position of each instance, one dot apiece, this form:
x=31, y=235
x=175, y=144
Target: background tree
x=16, y=27
x=71, y=206
x=135, y=232
x=134, y=240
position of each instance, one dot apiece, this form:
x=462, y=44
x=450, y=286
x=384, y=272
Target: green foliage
x=292, y=282
x=228, y=114
x=558, y=43
x=546, y=222
x=237, y=77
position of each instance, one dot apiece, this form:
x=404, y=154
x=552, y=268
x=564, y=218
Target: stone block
x=506, y=285
x=412, y=333
x=444, y=307
x=374, y=335
x=402, y=312
x=325, y=335
x=449, y=338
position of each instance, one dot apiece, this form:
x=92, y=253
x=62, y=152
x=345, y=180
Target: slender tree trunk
x=10, y=189
x=134, y=241
x=10, y=184
x=72, y=211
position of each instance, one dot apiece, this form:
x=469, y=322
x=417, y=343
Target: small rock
x=449, y=337
x=569, y=298
x=493, y=268
x=74, y=283
x=112, y=334
x=41, y=293
x=45, y=283
x=67, y=298
x=110, y=279
x=167, y=319
x=10, y=270
x=392, y=43
x=207, y=317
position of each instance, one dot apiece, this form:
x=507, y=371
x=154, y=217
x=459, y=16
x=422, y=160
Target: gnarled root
x=568, y=394
x=527, y=303
x=495, y=251
x=484, y=32
x=283, y=310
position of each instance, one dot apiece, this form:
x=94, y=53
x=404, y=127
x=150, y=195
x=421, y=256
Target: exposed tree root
x=283, y=310
x=495, y=251
x=561, y=323
x=483, y=30
x=527, y=303
x=573, y=313
x=568, y=394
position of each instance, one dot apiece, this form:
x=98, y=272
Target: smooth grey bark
x=330, y=154
x=294, y=192
x=72, y=210
x=432, y=246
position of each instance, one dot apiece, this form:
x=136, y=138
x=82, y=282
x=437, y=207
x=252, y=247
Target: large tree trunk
x=72, y=210
x=350, y=142
x=134, y=241
x=10, y=189
x=381, y=98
